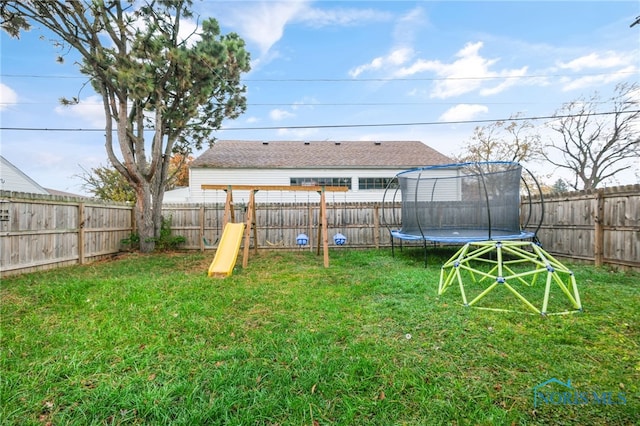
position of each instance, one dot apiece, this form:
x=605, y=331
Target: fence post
x=201, y=220
x=81, y=233
x=310, y=225
x=134, y=225
x=598, y=238
x=376, y=226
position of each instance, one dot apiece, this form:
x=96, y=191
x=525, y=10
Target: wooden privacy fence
x=41, y=232
x=278, y=225
x=600, y=226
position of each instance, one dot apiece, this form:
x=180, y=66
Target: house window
x=377, y=183
x=321, y=181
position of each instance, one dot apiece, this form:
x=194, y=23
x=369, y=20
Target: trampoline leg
x=424, y=244
x=393, y=248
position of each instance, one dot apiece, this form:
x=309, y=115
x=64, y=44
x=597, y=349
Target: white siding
x=204, y=176
x=201, y=176
x=12, y=179
x=434, y=185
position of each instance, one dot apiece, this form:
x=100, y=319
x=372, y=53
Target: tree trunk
x=144, y=218
x=157, y=210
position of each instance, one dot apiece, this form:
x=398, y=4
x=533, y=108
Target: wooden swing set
x=229, y=213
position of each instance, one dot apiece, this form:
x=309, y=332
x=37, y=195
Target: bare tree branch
x=596, y=147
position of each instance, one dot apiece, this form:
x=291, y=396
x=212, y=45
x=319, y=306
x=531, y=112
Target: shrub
x=165, y=242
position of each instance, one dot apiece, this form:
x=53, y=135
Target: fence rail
x=42, y=232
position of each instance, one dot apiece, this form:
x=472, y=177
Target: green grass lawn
x=150, y=339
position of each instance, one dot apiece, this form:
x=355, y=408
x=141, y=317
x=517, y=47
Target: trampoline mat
x=461, y=235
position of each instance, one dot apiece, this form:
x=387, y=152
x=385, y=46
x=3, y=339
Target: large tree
x=596, y=145
x=162, y=93
x=514, y=139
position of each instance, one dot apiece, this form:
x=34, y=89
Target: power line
x=418, y=79
x=338, y=126
x=297, y=104
x=355, y=80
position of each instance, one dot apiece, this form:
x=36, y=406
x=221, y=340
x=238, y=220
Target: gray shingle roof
x=319, y=154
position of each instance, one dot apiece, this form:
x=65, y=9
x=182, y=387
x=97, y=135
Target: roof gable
x=318, y=154
x=14, y=179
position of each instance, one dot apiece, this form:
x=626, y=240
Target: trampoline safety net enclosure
x=460, y=203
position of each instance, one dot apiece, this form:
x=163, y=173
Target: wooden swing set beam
x=229, y=213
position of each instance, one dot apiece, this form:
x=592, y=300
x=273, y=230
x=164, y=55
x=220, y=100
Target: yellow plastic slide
x=227, y=252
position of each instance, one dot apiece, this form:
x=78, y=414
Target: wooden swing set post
x=229, y=212
x=323, y=232
x=251, y=209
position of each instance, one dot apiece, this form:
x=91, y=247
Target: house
x=13, y=179
x=364, y=167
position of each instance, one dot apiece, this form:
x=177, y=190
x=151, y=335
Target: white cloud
x=623, y=64
x=280, y=114
x=510, y=79
x=402, y=51
x=468, y=73
x=375, y=64
x=395, y=58
x=89, y=110
x=7, y=97
x=187, y=31
x=405, y=28
x=463, y=112
x=589, y=81
x=607, y=59
x=340, y=16
x=299, y=134
x=461, y=76
x=261, y=23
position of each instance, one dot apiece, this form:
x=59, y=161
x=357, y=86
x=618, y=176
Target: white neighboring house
x=13, y=179
x=364, y=167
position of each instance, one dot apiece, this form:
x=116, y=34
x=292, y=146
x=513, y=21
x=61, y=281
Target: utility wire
x=319, y=104
x=338, y=126
x=356, y=80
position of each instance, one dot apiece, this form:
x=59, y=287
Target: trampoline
x=478, y=205
x=460, y=203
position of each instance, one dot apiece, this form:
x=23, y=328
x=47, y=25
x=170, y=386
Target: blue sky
x=351, y=63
